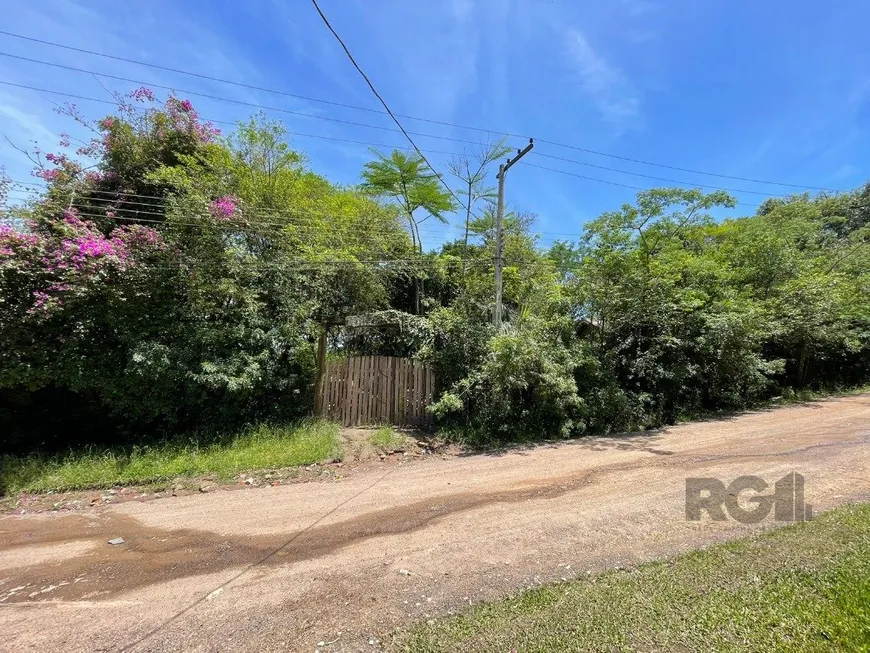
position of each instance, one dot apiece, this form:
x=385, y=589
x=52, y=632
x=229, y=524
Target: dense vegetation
x=169, y=280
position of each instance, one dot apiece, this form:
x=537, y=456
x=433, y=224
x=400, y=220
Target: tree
x=408, y=181
x=415, y=188
x=471, y=170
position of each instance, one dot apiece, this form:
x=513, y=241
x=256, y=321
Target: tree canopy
x=169, y=278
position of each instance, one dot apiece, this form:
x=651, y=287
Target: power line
x=213, y=120
x=440, y=152
x=300, y=214
x=382, y=101
x=306, y=224
x=645, y=176
x=448, y=230
x=409, y=117
x=398, y=233
x=251, y=86
x=244, y=85
x=291, y=214
x=303, y=262
x=612, y=183
x=689, y=170
x=384, y=145
x=166, y=220
x=219, y=98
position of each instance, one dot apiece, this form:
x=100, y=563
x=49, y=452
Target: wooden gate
x=378, y=390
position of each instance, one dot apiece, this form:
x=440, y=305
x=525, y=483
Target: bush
x=522, y=389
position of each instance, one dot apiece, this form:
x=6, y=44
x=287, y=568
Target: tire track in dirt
x=153, y=555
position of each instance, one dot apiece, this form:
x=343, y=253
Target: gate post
x=320, y=380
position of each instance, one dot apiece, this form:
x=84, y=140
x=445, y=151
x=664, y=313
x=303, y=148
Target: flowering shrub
x=129, y=143
x=184, y=118
x=224, y=208
x=70, y=261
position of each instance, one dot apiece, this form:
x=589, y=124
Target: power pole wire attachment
x=499, y=231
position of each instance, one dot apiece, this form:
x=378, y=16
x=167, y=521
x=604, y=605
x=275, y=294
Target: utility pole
x=499, y=230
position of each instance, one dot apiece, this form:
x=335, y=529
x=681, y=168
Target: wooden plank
x=338, y=393
x=383, y=390
x=422, y=393
x=373, y=398
x=334, y=377
x=352, y=392
x=403, y=375
x=345, y=400
x=397, y=389
x=399, y=386
x=377, y=413
x=340, y=396
x=359, y=383
x=347, y=393
x=397, y=418
x=418, y=391
x=376, y=384
x=410, y=409
x=345, y=408
x=431, y=392
x=330, y=388
x=394, y=397
x=414, y=391
x=370, y=387
x=387, y=396
x=358, y=374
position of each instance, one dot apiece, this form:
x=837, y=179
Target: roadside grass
x=263, y=446
x=386, y=439
x=805, y=587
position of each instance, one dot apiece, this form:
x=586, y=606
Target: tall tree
x=409, y=182
x=412, y=185
x=471, y=169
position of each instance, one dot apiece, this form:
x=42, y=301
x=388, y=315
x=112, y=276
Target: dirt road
x=342, y=563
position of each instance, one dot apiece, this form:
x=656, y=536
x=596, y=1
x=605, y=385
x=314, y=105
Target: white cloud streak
x=608, y=88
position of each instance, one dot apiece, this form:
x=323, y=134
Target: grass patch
x=386, y=439
x=801, y=588
x=260, y=447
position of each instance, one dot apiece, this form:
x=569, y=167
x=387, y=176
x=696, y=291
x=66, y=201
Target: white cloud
x=612, y=93
x=638, y=7
x=846, y=171
x=27, y=124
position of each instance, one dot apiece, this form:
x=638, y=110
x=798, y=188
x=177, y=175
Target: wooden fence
x=378, y=390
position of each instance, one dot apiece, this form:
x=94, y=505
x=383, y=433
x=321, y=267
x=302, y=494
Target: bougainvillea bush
x=154, y=286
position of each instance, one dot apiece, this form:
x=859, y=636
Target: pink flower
x=47, y=175
x=224, y=207
x=142, y=94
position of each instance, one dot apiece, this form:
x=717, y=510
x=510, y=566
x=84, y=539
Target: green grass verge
x=386, y=439
x=801, y=588
x=260, y=447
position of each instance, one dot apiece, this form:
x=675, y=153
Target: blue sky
x=776, y=90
